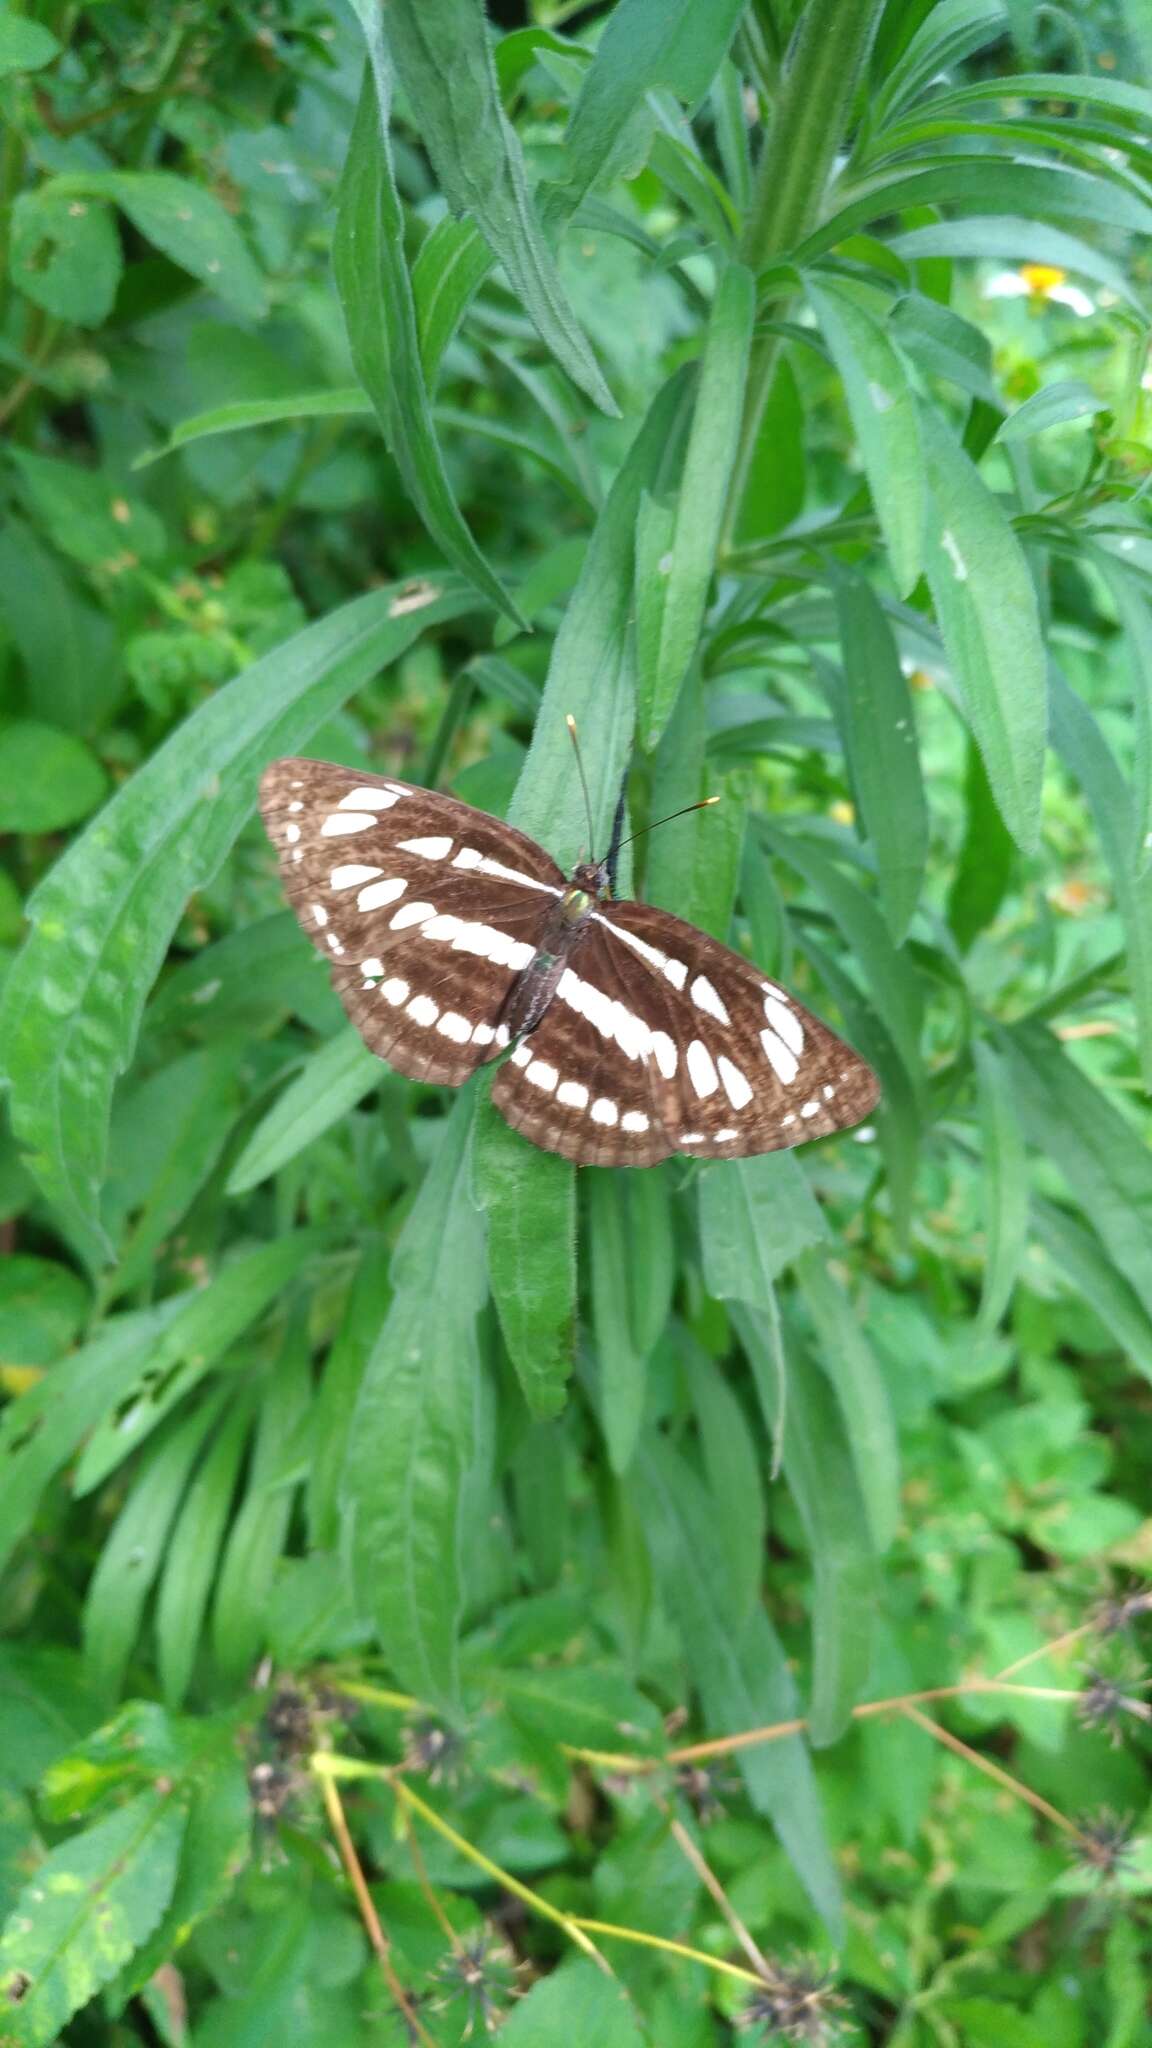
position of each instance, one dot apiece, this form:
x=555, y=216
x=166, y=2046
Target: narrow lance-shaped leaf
x=986, y=606
x=850, y=1366
x=256, y=1538
x=756, y=1216
x=1135, y=617
x=883, y=755
x=669, y=642
x=412, y=1433
x=530, y=1206
x=103, y=916
x=331, y=1081
x=1005, y=1185
x=622, y=1365
x=376, y=294
x=444, y=61
x=882, y=406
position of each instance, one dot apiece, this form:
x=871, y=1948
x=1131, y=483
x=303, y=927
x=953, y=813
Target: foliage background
x=783, y=368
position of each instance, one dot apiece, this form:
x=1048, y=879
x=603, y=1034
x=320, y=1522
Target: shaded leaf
x=882, y=405
x=531, y=1238
x=331, y=1081
x=881, y=742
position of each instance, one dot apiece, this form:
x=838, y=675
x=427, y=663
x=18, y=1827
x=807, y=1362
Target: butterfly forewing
x=656, y=1039
x=427, y=909
x=662, y=1040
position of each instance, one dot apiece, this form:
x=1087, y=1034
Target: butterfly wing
x=426, y=909
x=663, y=1040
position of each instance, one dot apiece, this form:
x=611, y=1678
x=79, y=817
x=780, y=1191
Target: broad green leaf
x=48, y=779
x=1050, y=192
x=1083, y=1269
x=531, y=1237
x=133, y=1549
x=91, y=1903
x=622, y=1364
x=255, y=1541
x=952, y=30
x=44, y=1427
x=937, y=339
x=1097, y=1150
x=167, y=1136
x=216, y=1847
x=756, y=1216
x=1005, y=1186
x=453, y=262
x=360, y=1324
x=67, y=645
x=882, y=406
x=732, y=1471
x=83, y=514
x=647, y=1202
x=1068, y=399
x=184, y=220
x=986, y=606
x=191, y=1565
x=883, y=754
x=1122, y=99
x=204, y=1328
x=25, y=45
x=851, y=1368
x=1015, y=238
x=577, y=2002
x=65, y=253
x=413, y=1428
x=1081, y=744
x=818, y=1467
x=103, y=916
x=376, y=294
x=442, y=55
x=742, y=1674
x=239, y=414
x=986, y=861
x=700, y=504
x=42, y=1305
x=331, y=1081
x=777, y=474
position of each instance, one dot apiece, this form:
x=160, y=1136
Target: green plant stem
x=808, y=124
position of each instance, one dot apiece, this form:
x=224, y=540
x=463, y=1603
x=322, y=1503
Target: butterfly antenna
x=570, y=722
x=701, y=806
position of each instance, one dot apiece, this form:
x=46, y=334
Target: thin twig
x=368, y=1913
x=713, y=1885
x=993, y=1771
x=671, y=1948
x=425, y=1882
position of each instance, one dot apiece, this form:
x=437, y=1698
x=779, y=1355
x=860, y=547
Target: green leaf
x=216, y=1847
x=48, y=779
x=42, y=1305
x=25, y=45
x=732, y=1471
x=777, y=480
x=413, y=1428
x=191, y=1565
x=1097, y=1150
x=1083, y=1269
x=256, y=1539
x=133, y=1551
x=711, y=452
x=360, y=1324
x=376, y=295
x=986, y=606
x=851, y=1368
x=1049, y=192
x=453, y=262
x=882, y=406
x=622, y=1363
x=204, y=1328
x=92, y=1902
x=1018, y=239
x=68, y=647
x=883, y=755
x=1005, y=1186
x=442, y=55
x=1068, y=399
x=818, y=1467
x=987, y=858
x=331, y=1081
x=952, y=30
x=43, y=1428
x=531, y=1219
x=756, y=1216
x=1078, y=739
x=65, y=253
x=184, y=220
x=240, y=414
x=103, y=916
x=741, y=1673
x=575, y=2003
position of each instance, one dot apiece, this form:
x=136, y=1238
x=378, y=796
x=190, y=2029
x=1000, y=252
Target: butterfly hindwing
x=426, y=909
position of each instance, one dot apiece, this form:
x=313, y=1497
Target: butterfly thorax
x=566, y=926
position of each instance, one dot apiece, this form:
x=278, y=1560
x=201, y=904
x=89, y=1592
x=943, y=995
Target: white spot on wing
x=377, y=894
x=725, y=1137
x=291, y=834
x=444, y=926
x=423, y=1010
x=394, y=992
x=428, y=849
x=483, y=1034
x=809, y=1109
x=785, y=1063
x=690, y=1138
x=785, y=1023
x=664, y=1053
x=521, y=1056
x=677, y=972
x=542, y=1075
x=468, y=857
x=454, y=1026
x=412, y=913
x=573, y=1094
x=497, y=868
x=352, y=874
x=365, y=799
x=705, y=998
x=375, y=968
x=701, y=1071
x=634, y=1120
x=737, y=1087
x=320, y=914
x=338, y=823
x=605, y=1112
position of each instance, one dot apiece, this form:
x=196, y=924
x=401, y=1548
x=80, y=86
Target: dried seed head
x=435, y=1750
x=481, y=1973
x=1116, y=1615
x=705, y=1788
x=1107, y=1702
x=796, y=2002
x=1106, y=1846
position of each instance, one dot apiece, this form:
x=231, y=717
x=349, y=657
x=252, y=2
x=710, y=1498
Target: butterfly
x=624, y=1034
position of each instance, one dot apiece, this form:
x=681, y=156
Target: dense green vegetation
x=444, y=1591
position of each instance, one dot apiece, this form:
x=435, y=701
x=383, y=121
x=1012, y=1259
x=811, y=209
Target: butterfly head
x=588, y=886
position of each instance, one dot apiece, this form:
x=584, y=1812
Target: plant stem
x=808, y=123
